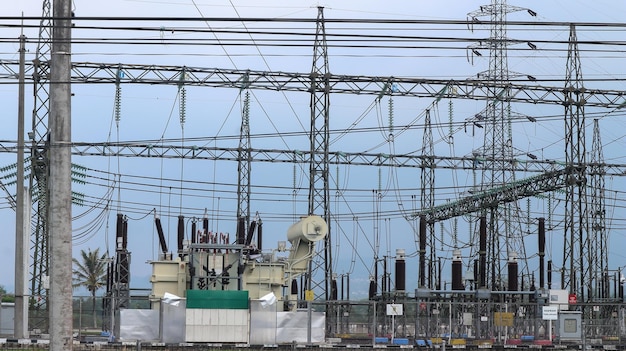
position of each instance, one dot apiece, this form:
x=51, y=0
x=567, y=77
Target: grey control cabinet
x=570, y=326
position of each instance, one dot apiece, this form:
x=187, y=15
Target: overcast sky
x=280, y=120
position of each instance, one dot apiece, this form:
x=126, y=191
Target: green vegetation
x=90, y=273
x=6, y=297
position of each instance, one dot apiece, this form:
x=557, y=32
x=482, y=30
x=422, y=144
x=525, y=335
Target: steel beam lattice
x=599, y=250
x=193, y=152
x=320, y=83
x=504, y=233
x=319, y=190
x=427, y=199
x=244, y=168
x=492, y=197
x=575, y=249
x=473, y=89
x=38, y=181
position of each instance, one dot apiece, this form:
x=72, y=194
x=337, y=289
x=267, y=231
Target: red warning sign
x=571, y=299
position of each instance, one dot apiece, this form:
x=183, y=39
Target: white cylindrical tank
x=310, y=229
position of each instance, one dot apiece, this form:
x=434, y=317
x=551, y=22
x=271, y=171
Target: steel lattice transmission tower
x=599, y=251
x=319, y=191
x=504, y=233
x=427, y=200
x=39, y=172
x=244, y=166
x=576, y=243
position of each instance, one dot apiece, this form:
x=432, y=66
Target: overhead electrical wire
x=340, y=37
x=300, y=37
x=328, y=21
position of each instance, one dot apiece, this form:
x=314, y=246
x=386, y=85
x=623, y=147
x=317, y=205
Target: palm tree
x=90, y=273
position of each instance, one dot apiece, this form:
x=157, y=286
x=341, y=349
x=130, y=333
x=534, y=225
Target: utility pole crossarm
x=532, y=186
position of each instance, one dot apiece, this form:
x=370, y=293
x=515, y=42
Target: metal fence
x=365, y=322
x=94, y=317
x=471, y=320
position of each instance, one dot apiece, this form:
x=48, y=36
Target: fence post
x=308, y=322
x=80, y=317
x=374, y=329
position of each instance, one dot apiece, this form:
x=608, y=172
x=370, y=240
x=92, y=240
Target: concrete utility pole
x=22, y=227
x=60, y=194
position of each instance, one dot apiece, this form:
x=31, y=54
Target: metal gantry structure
x=319, y=176
x=505, y=236
x=575, y=275
x=38, y=181
x=92, y=73
x=599, y=249
x=518, y=91
x=244, y=169
x=497, y=161
x=427, y=202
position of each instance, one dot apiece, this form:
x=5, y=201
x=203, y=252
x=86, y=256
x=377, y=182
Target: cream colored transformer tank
x=261, y=274
x=270, y=275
